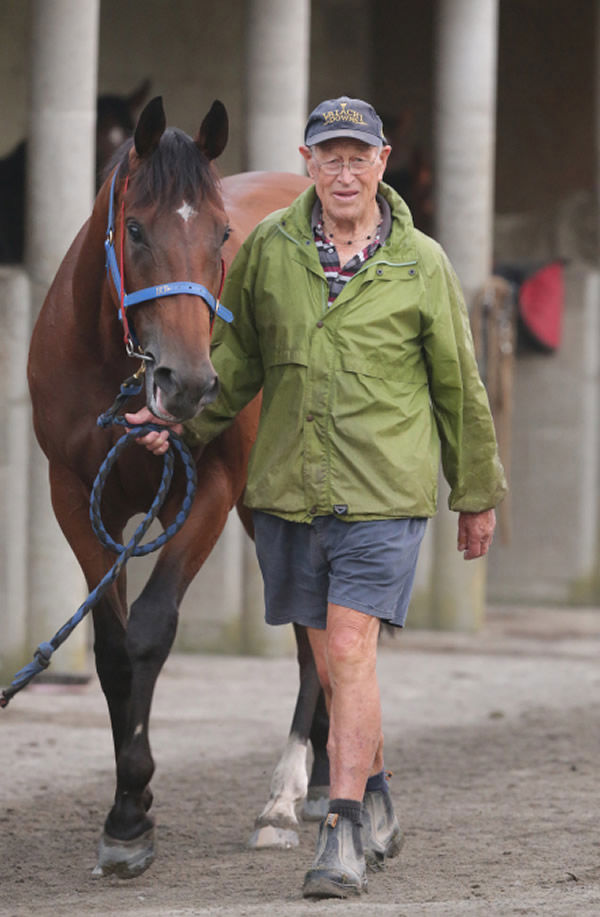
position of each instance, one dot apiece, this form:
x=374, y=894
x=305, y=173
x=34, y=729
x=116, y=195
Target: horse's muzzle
x=175, y=396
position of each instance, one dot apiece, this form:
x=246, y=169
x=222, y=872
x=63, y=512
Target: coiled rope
x=42, y=655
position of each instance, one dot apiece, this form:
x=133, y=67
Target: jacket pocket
x=393, y=370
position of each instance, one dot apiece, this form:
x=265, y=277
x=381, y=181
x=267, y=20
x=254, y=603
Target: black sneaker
x=339, y=869
x=381, y=834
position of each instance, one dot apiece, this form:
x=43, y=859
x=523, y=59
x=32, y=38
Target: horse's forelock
x=177, y=170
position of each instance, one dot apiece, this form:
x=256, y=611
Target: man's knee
x=350, y=645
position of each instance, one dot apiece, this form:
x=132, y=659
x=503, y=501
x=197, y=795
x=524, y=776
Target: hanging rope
x=43, y=654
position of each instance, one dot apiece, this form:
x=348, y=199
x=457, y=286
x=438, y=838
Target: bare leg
x=356, y=741
x=345, y=654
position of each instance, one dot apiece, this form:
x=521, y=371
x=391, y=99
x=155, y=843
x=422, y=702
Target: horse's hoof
x=271, y=836
x=125, y=859
x=316, y=803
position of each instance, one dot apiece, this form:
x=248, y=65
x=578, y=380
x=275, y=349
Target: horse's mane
x=177, y=170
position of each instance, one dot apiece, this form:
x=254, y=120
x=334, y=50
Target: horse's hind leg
x=316, y=802
x=276, y=825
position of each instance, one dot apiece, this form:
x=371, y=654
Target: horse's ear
x=150, y=128
x=214, y=131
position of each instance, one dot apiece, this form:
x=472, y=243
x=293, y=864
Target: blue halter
x=163, y=289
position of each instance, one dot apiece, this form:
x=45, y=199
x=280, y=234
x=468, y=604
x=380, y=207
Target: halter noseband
x=163, y=289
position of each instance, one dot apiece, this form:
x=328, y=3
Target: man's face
x=347, y=195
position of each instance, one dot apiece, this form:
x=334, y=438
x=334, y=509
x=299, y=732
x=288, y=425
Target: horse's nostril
x=165, y=379
x=185, y=392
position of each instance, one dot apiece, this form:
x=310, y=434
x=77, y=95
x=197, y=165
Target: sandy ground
x=493, y=741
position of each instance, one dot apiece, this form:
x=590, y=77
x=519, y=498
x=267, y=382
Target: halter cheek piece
x=164, y=289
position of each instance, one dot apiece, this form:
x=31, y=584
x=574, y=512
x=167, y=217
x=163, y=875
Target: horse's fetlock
x=127, y=819
x=135, y=768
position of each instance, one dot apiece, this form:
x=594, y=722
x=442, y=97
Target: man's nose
x=345, y=173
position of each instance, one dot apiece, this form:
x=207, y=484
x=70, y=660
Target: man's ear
x=307, y=156
x=383, y=157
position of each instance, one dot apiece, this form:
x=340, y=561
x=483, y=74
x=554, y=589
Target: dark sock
x=377, y=782
x=347, y=808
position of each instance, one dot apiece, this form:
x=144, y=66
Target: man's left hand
x=475, y=533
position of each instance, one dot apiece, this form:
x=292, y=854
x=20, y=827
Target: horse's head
x=169, y=229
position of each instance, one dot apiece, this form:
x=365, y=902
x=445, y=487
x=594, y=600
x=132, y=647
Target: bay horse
x=171, y=222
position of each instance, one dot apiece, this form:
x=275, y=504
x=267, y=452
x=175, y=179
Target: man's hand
x=155, y=442
x=475, y=533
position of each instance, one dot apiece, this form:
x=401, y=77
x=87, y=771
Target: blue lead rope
x=42, y=655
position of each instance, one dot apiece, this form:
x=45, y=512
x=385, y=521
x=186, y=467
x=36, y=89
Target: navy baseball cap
x=344, y=117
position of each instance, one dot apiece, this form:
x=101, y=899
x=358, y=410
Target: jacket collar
x=295, y=222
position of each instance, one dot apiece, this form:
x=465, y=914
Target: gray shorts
x=368, y=566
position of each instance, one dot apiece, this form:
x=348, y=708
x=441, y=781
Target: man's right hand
x=156, y=442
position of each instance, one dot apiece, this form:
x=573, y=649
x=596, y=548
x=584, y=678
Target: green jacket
x=357, y=397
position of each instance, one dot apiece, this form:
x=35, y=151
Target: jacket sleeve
x=470, y=458
x=235, y=355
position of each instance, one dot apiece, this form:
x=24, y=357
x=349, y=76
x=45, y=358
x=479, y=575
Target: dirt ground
x=493, y=740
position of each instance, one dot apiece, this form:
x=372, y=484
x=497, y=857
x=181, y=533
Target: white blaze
x=185, y=211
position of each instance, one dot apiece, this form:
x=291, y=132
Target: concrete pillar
x=14, y=421
x=277, y=76
x=60, y=188
x=464, y=139
x=277, y=57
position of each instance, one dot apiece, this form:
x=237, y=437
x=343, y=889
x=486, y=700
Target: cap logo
x=343, y=113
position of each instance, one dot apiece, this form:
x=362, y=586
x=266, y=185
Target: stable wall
x=193, y=52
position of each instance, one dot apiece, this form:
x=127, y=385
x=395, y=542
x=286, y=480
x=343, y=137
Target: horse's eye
x=226, y=234
x=134, y=231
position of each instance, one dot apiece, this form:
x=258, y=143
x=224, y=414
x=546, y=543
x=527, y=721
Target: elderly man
x=353, y=324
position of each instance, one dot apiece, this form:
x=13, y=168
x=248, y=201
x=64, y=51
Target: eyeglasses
x=357, y=165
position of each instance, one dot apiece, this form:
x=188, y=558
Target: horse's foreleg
x=70, y=498
x=112, y=666
x=276, y=825
x=127, y=847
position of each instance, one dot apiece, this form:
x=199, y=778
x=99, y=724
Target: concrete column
x=464, y=139
x=60, y=188
x=277, y=58
x=14, y=421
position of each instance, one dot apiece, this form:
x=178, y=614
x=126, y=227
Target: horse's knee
x=151, y=630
